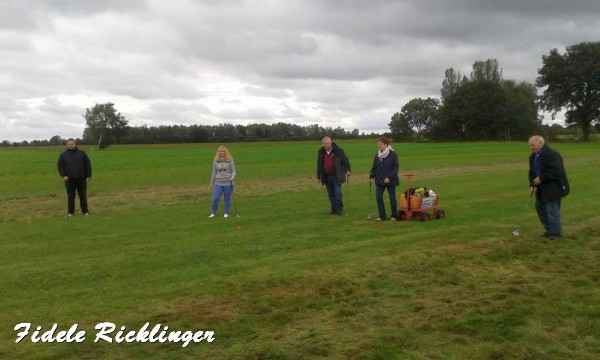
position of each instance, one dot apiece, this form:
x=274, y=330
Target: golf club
x=347, y=193
x=237, y=214
x=370, y=186
x=517, y=230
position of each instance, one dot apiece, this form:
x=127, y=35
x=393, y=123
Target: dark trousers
x=334, y=190
x=379, y=196
x=79, y=186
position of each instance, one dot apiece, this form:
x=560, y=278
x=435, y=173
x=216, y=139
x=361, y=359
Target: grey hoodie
x=223, y=173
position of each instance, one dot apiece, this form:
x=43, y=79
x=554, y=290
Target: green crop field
x=286, y=280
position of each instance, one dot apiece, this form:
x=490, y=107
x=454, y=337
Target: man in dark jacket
x=332, y=168
x=75, y=168
x=547, y=177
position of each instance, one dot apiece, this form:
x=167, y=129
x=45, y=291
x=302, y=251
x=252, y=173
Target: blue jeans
x=334, y=190
x=393, y=202
x=549, y=214
x=222, y=190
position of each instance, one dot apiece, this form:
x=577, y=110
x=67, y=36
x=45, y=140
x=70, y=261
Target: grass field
x=287, y=281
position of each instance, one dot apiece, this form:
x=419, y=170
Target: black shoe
x=554, y=237
x=545, y=234
x=333, y=212
x=340, y=213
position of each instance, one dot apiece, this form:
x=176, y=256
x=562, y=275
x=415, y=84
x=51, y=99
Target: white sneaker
x=211, y=216
x=225, y=215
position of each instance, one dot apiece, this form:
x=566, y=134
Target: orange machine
x=418, y=207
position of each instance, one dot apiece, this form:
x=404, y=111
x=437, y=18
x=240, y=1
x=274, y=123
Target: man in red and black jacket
x=332, y=168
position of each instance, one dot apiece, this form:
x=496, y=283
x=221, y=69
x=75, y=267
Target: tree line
x=101, y=134
x=168, y=134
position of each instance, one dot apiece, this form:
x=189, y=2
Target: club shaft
x=370, y=186
x=525, y=211
x=233, y=197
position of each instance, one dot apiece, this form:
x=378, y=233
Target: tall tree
x=451, y=83
x=485, y=106
x=420, y=114
x=487, y=71
x=400, y=128
x=56, y=140
x=572, y=82
x=471, y=112
x=104, y=124
x=521, y=114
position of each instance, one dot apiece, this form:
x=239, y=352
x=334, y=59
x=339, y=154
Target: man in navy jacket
x=547, y=177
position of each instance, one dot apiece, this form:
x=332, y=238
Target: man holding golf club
x=333, y=167
x=548, y=179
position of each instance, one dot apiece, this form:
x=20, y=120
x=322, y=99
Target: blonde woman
x=223, y=174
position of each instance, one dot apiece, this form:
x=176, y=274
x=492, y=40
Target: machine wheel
x=424, y=217
x=440, y=214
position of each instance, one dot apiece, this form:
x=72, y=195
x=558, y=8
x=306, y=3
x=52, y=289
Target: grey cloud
x=31, y=15
x=253, y=114
x=314, y=60
x=172, y=113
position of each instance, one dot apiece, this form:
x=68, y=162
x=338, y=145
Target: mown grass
x=286, y=281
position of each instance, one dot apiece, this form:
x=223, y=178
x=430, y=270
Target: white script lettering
x=48, y=336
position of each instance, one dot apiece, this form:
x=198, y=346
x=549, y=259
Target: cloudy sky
x=347, y=63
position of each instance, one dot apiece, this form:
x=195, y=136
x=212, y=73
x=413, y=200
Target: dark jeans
x=334, y=190
x=549, y=214
x=393, y=202
x=79, y=186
